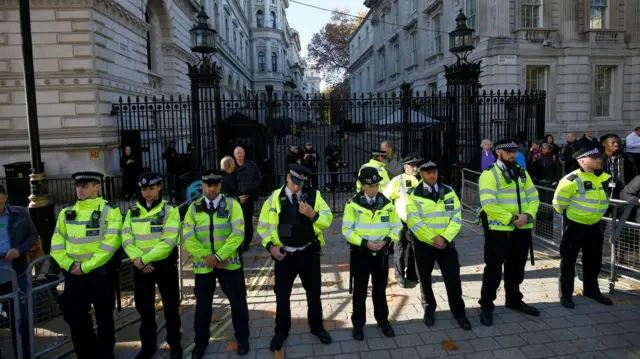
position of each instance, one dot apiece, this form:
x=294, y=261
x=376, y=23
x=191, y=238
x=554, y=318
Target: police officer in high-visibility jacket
x=369, y=224
x=434, y=219
x=376, y=162
x=85, y=240
x=212, y=231
x=290, y=225
x=398, y=190
x=509, y=203
x=582, y=199
x=150, y=238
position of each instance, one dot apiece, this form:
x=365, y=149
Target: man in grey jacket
x=393, y=160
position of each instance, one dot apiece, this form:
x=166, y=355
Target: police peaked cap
x=413, y=159
x=428, y=165
x=87, y=177
x=369, y=175
x=211, y=177
x=507, y=144
x=149, y=179
x=586, y=152
x=377, y=152
x=299, y=174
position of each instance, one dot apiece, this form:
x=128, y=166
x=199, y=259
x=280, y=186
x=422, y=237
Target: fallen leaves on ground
x=158, y=305
x=448, y=344
x=392, y=282
x=540, y=284
x=231, y=346
x=334, y=231
x=478, y=269
x=331, y=284
x=390, y=297
x=215, y=319
x=577, y=291
x=342, y=266
x=279, y=354
x=544, y=294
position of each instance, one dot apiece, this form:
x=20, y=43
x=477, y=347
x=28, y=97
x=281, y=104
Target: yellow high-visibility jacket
x=431, y=215
x=88, y=232
x=382, y=171
x=227, y=235
x=398, y=191
x=151, y=235
x=583, y=197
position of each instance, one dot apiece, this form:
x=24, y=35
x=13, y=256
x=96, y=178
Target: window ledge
x=381, y=81
x=536, y=35
x=411, y=67
x=434, y=56
x=605, y=36
x=394, y=75
x=155, y=80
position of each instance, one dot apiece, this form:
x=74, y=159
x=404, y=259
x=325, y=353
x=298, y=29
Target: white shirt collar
x=149, y=205
x=425, y=185
x=289, y=194
x=369, y=199
x=216, y=201
x=501, y=165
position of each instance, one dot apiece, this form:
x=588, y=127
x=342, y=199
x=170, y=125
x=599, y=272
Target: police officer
x=150, y=238
x=291, y=223
x=435, y=218
x=310, y=159
x=398, y=190
x=376, y=162
x=86, y=238
x=212, y=231
x=369, y=224
x=509, y=203
x=583, y=200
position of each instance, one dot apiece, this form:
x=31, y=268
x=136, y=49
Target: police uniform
x=370, y=220
x=88, y=233
x=505, y=192
x=150, y=232
x=582, y=199
x=398, y=190
x=435, y=211
x=379, y=166
x=300, y=238
x=216, y=227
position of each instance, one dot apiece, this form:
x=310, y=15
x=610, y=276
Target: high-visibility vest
x=151, y=235
x=501, y=197
x=87, y=232
x=361, y=223
x=270, y=217
x=382, y=171
x=429, y=218
x=583, y=197
x=398, y=191
x=198, y=238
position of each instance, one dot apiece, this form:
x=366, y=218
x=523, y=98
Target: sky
x=308, y=20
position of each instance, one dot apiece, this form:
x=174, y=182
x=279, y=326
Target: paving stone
x=536, y=337
x=405, y=353
x=380, y=354
x=354, y=346
x=326, y=349
x=585, y=332
x=460, y=334
x=563, y=348
x=484, y=344
x=509, y=328
x=509, y=341
x=536, y=351
x=580, y=320
x=621, y=353
x=431, y=351
x=592, y=355
x=408, y=340
x=297, y=351
x=479, y=355
x=588, y=344
x=613, y=341
x=511, y=353
x=347, y=356
x=381, y=343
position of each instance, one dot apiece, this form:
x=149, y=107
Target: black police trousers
x=447, y=258
x=80, y=292
x=247, y=213
x=589, y=238
x=232, y=284
x=306, y=264
x=365, y=264
x=404, y=257
x=510, y=249
x=165, y=275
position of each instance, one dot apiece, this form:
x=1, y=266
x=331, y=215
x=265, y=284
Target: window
x=531, y=13
x=226, y=29
x=260, y=18
x=536, y=78
x=413, y=6
x=261, y=62
x=274, y=62
x=383, y=66
x=471, y=13
x=273, y=1
x=433, y=88
x=368, y=78
x=241, y=50
x=598, y=16
x=414, y=48
x=235, y=39
x=437, y=35
x=396, y=11
x=383, y=24
x=272, y=16
x=146, y=19
x=604, y=77
x=396, y=58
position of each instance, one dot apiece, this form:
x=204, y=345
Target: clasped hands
x=377, y=246
x=520, y=220
x=137, y=262
x=212, y=262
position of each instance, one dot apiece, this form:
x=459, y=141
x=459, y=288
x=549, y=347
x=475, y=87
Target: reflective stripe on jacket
x=152, y=235
x=397, y=191
x=429, y=218
x=382, y=171
x=227, y=236
x=91, y=238
x=583, y=197
x=270, y=218
x=500, y=198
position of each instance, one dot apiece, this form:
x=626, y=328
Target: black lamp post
x=205, y=75
x=461, y=39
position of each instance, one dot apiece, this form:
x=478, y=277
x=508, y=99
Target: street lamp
x=461, y=39
x=203, y=37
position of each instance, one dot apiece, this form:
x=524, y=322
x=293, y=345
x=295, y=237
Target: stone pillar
x=569, y=23
x=632, y=15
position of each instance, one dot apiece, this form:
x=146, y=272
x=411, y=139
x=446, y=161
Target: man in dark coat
x=310, y=159
x=588, y=140
x=249, y=179
x=619, y=165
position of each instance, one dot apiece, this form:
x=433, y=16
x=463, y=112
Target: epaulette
x=111, y=204
x=354, y=197
x=447, y=189
x=571, y=177
x=68, y=205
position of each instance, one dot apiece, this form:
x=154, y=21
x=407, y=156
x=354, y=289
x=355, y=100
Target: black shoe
x=243, y=347
x=429, y=319
x=246, y=247
x=197, y=354
x=276, y=342
x=358, y=334
x=464, y=323
x=486, y=317
x=567, y=302
x=387, y=330
x=598, y=297
x=324, y=336
x=402, y=283
x=176, y=352
x=525, y=308
x=145, y=354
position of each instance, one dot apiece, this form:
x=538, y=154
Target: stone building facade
x=584, y=53
x=89, y=53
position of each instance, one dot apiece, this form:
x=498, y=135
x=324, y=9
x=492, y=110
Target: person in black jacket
x=332, y=154
x=131, y=169
x=310, y=159
x=249, y=179
x=230, y=185
x=587, y=140
x=570, y=164
x=618, y=164
x=293, y=157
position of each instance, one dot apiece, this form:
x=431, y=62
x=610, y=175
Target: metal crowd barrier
x=621, y=255
x=11, y=340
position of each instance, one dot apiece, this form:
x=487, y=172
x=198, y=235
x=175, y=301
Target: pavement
x=591, y=330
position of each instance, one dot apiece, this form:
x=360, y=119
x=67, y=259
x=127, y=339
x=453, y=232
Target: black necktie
x=294, y=199
x=433, y=189
x=211, y=206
